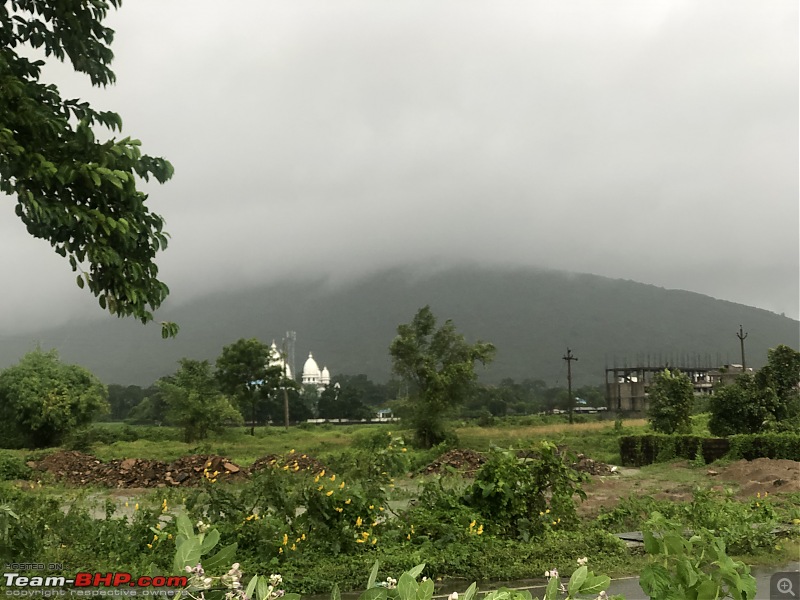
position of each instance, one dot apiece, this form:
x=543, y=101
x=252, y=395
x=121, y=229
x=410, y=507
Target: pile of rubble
x=291, y=462
x=77, y=468
x=465, y=462
x=584, y=464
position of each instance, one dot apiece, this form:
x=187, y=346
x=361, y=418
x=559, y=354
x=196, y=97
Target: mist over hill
x=530, y=315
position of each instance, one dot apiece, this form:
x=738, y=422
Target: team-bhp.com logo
x=96, y=580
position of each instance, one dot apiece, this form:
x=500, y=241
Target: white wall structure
x=312, y=375
x=277, y=360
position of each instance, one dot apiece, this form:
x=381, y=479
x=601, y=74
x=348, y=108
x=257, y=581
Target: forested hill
x=530, y=315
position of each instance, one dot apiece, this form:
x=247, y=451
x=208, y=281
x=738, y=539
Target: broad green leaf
x=551, y=592
x=595, y=584
x=708, y=590
x=686, y=572
x=577, y=579
x=211, y=539
x=651, y=544
x=416, y=571
x=425, y=590
x=223, y=558
x=407, y=587
x=471, y=590
x=262, y=589
x=186, y=555
x=184, y=526
x=373, y=575
x=375, y=593
x=335, y=593
x=251, y=586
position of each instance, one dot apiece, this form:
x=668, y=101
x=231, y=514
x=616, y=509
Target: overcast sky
x=655, y=141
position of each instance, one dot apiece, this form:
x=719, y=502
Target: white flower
x=582, y=561
x=553, y=573
x=453, y=596
x=602, y=596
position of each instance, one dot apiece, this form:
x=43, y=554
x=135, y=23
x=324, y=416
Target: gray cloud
x=652, y=141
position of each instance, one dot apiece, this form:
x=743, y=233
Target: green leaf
x=577, y=579
x=595, y=584
x=262, y=589
x=223, y=558
x=187, y=554
x=375, y=593
x=373, y=575
x=425, y=590
x=416, y=571
x=471, y=590
x=251, y=586
x=651, y=544
x=80, y=281
x=407, y=587
x=336, y=594
x=708, y=590
x=211, y=539
x=551, y=592
x=184, y=526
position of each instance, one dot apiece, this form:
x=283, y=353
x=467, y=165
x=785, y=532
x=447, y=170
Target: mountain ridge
x=531, y=315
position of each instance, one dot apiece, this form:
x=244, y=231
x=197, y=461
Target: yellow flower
x=408, y=537
x=547, y=512
x=285, y=539
x=758, y=495
x=374, y=541
x=554, y=522
x=380, y=508
x=155, y=537
x=371, y=506
x=159, y=525
x=294, y=547
x=316, y=479
x=471, y=525
x=303, y=537
x=126, y=505
x=213, y=480
x=297, y=467
x=358, y=522
x=280, y=550
x=541, y=514
x=365, y=534
x=169, y=536
x=333, y=477
x=330, y=493
x=136, y=507
x=359, y=541
x=405, y=450
x=285, y=467
x=341, y=486
x=320, y=488
x=322, y=473
x=291, y=451
x=339, y=509
x=347, y=501
x=412, y=529
x=480, y=529
x=150, y=546
x=208, y=464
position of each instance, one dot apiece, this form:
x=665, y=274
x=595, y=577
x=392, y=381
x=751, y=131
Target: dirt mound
x=584, y=464
x=761, y=475
x=77, y=468
x=466, y=462
x=291, y=462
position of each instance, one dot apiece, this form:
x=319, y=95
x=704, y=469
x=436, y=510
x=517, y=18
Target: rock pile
x=585, y=464
x=465, y=462
x=77, y=468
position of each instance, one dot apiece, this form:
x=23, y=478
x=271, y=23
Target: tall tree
x=439, y=367
x=42, y=400
x=671, y=398
x=244, y=372
x=194, y=401
x=75, y=191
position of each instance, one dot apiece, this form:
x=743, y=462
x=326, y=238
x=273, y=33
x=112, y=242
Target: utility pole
x=285, y=391
x=569, y=358
x=741, y=335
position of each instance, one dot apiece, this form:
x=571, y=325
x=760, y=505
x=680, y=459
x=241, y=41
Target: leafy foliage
x=770, y=399
x=697, y=567
x=244, y=372
x=671, y=398
x=75, y=191
x=194, y=402
x=439, y=367
x=42, y=399
x=526, y=496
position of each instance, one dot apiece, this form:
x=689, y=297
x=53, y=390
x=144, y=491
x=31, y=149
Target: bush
x=671, y=399
x=12, y=467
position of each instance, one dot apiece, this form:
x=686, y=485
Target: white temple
x=312, y=374
x=276, y=359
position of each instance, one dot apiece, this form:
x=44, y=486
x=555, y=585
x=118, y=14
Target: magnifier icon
x=784, y=586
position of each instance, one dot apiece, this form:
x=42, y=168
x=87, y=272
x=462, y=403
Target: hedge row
x=639, y=450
